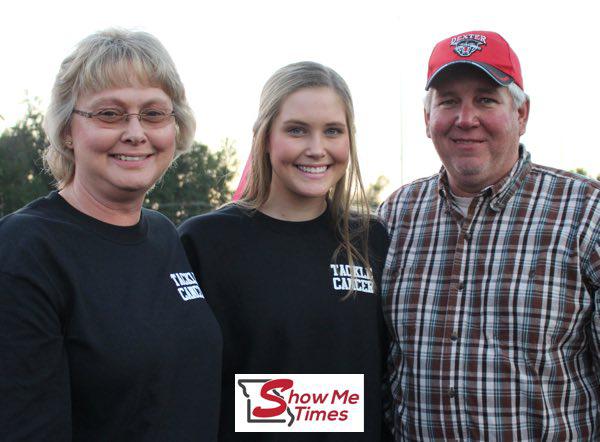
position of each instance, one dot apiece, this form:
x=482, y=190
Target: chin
x=317, y=194
x=469, y=169
x=134, y=187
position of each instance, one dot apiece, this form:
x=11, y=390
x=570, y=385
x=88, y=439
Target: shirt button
x=461, y=286
x=467, y=236
x=451, y=392
x=454, y=336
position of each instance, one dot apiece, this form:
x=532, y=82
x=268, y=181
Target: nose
x=133, y=132
x=316, y=147
x=467, y=116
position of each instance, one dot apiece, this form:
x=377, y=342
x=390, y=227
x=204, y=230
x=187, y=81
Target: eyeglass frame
x=124, y=117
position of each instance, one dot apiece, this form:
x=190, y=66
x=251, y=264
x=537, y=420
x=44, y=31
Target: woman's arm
x=35, y=396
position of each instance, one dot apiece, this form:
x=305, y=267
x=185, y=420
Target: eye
x=154, y=115
x=447, y=102
x=109, y=115
x=333, y=131
x=487, y=100
x=296, y=131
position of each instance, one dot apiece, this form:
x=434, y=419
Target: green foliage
x=22, y=177
x=197, y=182
x=374, y=192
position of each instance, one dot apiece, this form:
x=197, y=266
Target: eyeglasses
x=153, y=117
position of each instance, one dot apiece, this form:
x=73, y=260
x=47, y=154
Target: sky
x=225, y=51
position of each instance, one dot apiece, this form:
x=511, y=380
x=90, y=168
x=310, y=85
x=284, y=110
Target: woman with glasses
x=104, y=332
x=292, y=270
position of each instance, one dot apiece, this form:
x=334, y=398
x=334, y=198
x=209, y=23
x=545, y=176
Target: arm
x=590, y=269
x=591, y=274
x=34, y=376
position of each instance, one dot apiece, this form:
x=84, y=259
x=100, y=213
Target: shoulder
x=378, y=235
x=227, y=222
x=558, y=177
x=157, y=222
x=36, y=220
x=405, y=197
x=414, y=188
x=378, y=238
x=27, y=234
x=226, y=217
x=579, y=195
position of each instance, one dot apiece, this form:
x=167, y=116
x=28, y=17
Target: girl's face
x=309, y=147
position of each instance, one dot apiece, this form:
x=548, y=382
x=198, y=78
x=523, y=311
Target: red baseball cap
x=486, y=50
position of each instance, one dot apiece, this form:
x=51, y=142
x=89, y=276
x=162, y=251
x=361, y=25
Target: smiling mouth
x=130, y=157
x=312, y=169
x=466, y=141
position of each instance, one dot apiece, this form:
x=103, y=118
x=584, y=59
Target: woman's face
x=122, y=160
x=309, y=146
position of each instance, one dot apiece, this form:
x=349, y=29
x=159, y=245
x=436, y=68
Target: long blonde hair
x=347, y=200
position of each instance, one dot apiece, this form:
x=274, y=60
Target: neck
x=119, y=213
x=469, y=192
x=468, y=186
x=293, y=211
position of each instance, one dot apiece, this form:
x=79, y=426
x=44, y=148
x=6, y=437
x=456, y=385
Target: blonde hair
x=105, y=59
x=347, y=200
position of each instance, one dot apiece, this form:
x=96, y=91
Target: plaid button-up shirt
x=495, y=316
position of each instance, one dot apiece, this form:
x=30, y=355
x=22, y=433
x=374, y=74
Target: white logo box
x=299, y=403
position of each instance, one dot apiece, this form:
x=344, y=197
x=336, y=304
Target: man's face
x=475, y=127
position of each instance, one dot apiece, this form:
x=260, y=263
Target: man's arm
x=590, y=267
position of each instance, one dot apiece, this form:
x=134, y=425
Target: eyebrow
x=303, y=123
x=113, y=100
x=480, y=90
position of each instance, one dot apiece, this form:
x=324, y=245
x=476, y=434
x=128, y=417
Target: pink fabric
x=243, y=180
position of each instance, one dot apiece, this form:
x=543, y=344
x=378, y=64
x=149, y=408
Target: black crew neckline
x=120, y=234
x=292, y=227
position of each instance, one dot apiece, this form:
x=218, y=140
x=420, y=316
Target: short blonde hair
x=105, y=59
x=347, y=200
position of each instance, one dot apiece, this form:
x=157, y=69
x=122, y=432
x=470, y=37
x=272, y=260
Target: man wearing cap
x=491, y=285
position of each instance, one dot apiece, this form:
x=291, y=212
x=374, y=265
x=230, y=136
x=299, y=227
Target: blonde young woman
x=292, y=269
x=104, y=332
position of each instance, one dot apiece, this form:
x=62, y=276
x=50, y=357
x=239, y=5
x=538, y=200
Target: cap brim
x=496, y=74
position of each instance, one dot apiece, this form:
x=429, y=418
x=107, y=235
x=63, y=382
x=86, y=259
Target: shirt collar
x=502, y=191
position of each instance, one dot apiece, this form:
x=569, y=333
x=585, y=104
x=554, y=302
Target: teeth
x=309, y=169
x=130, y=158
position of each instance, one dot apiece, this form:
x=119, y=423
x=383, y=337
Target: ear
x=68, y=142
x=66, y=137
x=523, y=112
x=426, y=115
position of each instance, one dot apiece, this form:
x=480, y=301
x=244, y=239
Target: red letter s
x=283, y=384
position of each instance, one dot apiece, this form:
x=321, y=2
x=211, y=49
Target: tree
x=22, y=176
x=374, y=191
x=197, y=182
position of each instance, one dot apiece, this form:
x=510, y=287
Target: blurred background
x=226, y=50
